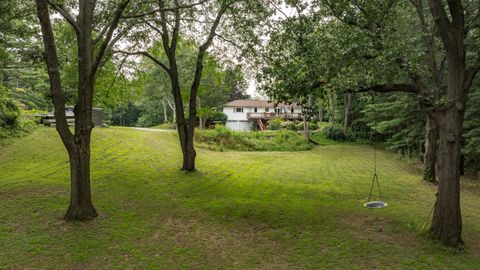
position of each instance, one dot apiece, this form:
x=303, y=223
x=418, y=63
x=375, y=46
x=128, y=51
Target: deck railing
x=270, y=115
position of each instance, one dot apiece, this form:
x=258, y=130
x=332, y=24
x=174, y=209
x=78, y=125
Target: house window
x=267, y=109
x=278, y=110
x=238, y=109
x=254, y=109
x=291, y=110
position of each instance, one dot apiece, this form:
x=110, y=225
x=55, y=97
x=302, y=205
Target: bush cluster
x=278, y=123
x=335, y=133
x=222, y=138
x=9, y=112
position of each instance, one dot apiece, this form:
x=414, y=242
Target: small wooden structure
x=49, y=118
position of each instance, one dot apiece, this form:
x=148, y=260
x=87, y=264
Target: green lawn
x=240, y=210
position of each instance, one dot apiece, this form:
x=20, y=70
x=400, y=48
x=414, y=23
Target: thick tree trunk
x=81, y=207
x=189, y=155
x=431, y=138
x=447, y=220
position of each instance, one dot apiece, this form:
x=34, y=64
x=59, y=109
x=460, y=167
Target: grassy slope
x=261, y=210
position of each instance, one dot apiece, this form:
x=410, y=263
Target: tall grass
x=221, y=138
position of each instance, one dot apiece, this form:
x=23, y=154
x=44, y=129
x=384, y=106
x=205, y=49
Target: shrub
x=216, y=117
x=335, y=133
x=299, y=125
x=275, y=124
x=313, y=126
x=291, y=126
x=9, y=114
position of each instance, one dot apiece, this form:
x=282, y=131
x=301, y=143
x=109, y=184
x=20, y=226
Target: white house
x=244, y=114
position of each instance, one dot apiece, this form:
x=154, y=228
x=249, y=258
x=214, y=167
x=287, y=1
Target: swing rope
x=375, y=176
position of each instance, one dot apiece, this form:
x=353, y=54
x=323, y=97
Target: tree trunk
x=430, y=150
x=165, y=111
x=81, y=207
x=189, y=155
x=331, y=118
x=172, y=106
x=306, y=131
x=201, y=119
x=347, y=102
x=320, y=111
x=447, y=220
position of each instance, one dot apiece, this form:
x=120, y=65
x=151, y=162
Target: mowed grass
x=240, y=210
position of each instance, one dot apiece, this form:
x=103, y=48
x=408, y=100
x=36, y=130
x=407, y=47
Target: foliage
x=128, y=116
x=14, y=122
x=275, y=123
x=471, y=126
x=222, y=138
x=216, y=117
x=396, y=117
x=335, y=133
x=218, y=85
x=291, y=125
x=9, y=112
x=289, y=69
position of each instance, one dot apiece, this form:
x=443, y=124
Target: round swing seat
x=375, y=204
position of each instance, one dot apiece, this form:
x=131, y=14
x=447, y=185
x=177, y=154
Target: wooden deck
x=270, y=115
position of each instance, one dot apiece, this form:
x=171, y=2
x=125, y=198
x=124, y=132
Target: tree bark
x=81, y=207
x=306, y=131
x=447, y=220
x=201, y=119
x=430, y=157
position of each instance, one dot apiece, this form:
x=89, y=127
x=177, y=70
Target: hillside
x=240, y=210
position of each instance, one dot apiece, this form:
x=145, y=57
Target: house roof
x=257, y=103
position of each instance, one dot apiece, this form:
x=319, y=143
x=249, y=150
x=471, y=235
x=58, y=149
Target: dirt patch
x=224, y=244
x=377, y=229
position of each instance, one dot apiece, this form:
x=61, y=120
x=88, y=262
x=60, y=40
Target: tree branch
x=176, y=28
x=113, y=25
x=215, y=24
x=151, y=57
x=164, y=9
x=51, y=60
x=440, y=17
x=154, y=27
x=385, y=88
x=66, y=15
x=163, y=23
x=199, y=68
